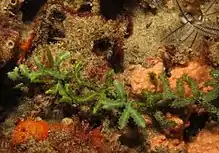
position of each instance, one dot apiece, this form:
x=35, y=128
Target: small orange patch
x=25, y=46
x=96, y=137
x=30, y=129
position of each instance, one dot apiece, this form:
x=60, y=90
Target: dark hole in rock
x=150, y=9
x=112, y=50
x=86, y=7
x=55, y=35
x=101, y=46
x=30, y=8
x=68, y=110
x=117, y=58
x=86, y=115
x=58, y=111
x=111, y=8
x=2, y=63
x=197, y=122
x=13, y=2
x=95, y=122
x=58, y=15
x=133, y=138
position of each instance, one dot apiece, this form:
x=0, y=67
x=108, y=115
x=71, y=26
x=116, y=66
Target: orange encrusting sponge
x=27, y=129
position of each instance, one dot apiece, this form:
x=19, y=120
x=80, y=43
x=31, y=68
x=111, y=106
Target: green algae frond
x=71, y=87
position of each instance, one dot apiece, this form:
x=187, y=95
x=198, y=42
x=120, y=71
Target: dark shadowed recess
x=197, y=122
x=112, y=50
x=133, y=138
x=86, y=7
x=58, y=111
x=30, y=8
x=8, y=96
x=110, y=9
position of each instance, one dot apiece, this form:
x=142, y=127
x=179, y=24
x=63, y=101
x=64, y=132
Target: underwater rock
x=139, y=79
x=196, y=70
x=207, y=140
x=160, y=143
x=138, y=76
